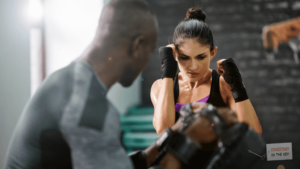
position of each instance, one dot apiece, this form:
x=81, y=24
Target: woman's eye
x=200, y=57
x=184, y=58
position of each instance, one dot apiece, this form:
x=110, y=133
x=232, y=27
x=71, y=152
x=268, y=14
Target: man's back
x=68, y=112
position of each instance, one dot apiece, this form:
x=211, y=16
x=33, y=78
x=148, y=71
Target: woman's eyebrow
x=183, y=54
x=201, y=54
x=189, y=56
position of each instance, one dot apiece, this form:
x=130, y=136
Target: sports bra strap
x=176, y=88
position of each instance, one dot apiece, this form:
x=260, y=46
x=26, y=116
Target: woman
x=193, y=49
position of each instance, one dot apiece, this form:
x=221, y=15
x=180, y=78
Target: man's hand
x=201, y=129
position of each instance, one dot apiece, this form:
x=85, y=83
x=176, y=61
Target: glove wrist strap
x=163, y=139
x=240, y=95
x=183, y=147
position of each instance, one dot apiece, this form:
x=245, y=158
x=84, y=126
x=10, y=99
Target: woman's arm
x=235, y=91
x=244, y=109
x=162, y=97
x=162, y=94
x=246, y=113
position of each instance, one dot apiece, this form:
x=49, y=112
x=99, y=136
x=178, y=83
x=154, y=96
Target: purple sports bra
x=179, y=105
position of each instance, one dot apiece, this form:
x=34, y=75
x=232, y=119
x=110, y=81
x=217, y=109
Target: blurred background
x=38, y=37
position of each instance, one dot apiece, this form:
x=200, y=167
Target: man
x=69, y=123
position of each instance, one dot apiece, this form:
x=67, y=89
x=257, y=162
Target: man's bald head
x=123, y=20
x=126, y=36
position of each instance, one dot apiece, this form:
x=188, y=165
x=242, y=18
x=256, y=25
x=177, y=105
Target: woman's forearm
x=164, y=111
x=247, y=114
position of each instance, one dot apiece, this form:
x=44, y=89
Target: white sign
x=279, y=151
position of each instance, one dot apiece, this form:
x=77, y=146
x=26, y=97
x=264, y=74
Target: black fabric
x=237, y=140
x=96, y=109
x=139, y=160
x=233, y=77
x=156, y=167
x=158, y=158
x=215, y=97
x=55, y=152
x=199, y=161
x=176, y=94
x=183, y=147
x=168, y=63
x=163, y=139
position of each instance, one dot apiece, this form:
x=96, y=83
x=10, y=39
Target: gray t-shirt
x=68, y=123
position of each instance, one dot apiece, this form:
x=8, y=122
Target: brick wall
x=274, y=88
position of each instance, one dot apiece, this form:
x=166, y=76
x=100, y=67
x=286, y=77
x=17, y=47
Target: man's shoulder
x=87, y=105
x=63, y=80
x=59, y=78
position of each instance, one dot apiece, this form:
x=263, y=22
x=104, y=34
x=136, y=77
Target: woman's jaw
x=193, y=77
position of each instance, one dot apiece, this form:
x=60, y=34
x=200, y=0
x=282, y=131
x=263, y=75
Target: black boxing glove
x=183, y=147
x=233, y=77
x=164, y=138
x=168, y=63
x=156, y=167
x=139, y=159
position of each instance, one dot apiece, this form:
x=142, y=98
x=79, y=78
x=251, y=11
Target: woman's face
x=194, y=59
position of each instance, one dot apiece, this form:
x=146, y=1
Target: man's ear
x=138, y=45
x=213, y=52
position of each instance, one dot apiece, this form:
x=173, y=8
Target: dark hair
x=193, y=27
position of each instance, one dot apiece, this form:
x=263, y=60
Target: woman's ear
x=138, y=45
x=213, y=52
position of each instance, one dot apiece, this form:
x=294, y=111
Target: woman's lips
x=193, y=74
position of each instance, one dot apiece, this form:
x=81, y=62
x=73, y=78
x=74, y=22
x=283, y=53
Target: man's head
x=129, y=30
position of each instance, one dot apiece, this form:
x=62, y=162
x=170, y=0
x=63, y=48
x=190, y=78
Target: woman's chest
x=188, y=94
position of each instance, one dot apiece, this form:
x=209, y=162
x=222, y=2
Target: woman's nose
x=193, y=65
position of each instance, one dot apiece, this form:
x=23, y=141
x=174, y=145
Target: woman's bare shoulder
x=156, y=85
x=155, y=91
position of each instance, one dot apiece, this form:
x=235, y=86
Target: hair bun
x=195, y=13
